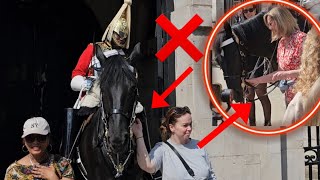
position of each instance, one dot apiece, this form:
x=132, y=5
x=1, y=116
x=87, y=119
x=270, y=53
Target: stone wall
x=234, y=154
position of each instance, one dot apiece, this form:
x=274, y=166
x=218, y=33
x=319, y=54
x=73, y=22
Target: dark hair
x=171, y=118
x=254, y=6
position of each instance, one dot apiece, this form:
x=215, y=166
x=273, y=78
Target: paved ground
x=276, y=97
x=277, y=108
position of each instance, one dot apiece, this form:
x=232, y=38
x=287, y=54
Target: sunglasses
x=32, y=137
x=248, y=10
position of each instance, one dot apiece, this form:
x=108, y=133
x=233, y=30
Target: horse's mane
x=252, y=31
x=115, y=70
x=218, y=39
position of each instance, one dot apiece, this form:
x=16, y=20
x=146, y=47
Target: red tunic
x=289, y=56
x=83, y=62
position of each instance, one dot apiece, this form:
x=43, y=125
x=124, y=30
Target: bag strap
x=190, y=171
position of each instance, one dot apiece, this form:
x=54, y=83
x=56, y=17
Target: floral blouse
x=18, y=171
x=289, y=56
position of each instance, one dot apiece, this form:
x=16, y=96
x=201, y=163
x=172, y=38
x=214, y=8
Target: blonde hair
x=284, y=20
x=310, y=62
x=171, y=118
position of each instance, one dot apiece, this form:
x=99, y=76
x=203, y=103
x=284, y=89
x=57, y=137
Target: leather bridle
x=243, y=54
x=106, y=150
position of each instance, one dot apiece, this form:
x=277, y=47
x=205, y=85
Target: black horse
x=233, y=47
x=106, y=146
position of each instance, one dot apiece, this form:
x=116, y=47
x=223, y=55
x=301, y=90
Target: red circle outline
x=205, y=67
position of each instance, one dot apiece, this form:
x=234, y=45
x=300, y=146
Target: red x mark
x=179, y=38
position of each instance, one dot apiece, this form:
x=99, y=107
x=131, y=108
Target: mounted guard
x=86, y=75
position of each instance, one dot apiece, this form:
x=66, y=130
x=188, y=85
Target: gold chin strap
x=125, y=10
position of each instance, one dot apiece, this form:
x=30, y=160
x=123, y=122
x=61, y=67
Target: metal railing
x=312, y=154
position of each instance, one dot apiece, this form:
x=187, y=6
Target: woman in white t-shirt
x=176, y=130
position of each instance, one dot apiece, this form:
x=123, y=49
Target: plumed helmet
x=118, y=31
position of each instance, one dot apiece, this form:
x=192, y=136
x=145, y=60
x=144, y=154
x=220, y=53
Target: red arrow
x=158, y=101
x=242, y=111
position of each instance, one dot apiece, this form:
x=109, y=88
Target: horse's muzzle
x=119, y=145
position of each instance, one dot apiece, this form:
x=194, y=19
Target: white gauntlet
x=77, y=83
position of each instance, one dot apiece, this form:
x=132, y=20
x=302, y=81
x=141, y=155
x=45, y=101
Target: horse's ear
x=136, y=52
x=227, y=29
x=99, y=54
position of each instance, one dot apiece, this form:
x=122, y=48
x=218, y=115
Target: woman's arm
x=262, y=79
x=280, y=75
x=143, y=157
x=142, y=153
x=274, y=76
x=9, y=172
x=212, y=175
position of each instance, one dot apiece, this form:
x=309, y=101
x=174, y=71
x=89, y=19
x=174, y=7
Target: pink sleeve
x=83, y=62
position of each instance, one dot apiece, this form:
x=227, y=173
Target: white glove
x=77, y=83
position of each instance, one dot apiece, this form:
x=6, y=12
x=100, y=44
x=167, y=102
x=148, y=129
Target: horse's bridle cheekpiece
x=106, y=151
x=119, y=167
x=243, y=54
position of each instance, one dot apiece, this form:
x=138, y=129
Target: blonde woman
x=308, y=82
x=284, y=28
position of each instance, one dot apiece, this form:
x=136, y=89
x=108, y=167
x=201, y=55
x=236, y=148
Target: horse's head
x=228, y=57
x=119, y=91
x=234, y=45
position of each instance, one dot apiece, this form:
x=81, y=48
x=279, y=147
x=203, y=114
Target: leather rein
x=244, y=53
